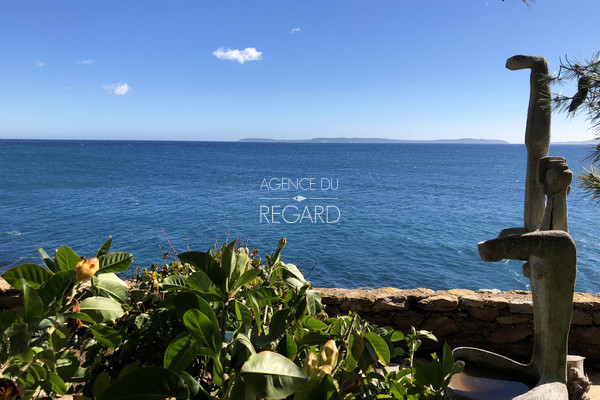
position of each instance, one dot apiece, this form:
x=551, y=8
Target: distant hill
x=376, y=140
x=585, y=142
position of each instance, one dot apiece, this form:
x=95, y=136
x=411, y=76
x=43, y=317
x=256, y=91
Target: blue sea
x=354, y=215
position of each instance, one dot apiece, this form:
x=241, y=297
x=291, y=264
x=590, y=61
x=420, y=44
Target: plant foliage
x=586, y=73
x=221, y=324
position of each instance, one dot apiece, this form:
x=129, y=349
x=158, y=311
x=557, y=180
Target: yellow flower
x=310, y=366
x=87, y=268
x=329, y=354
x=325, y=370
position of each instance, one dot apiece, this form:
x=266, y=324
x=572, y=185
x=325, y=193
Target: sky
x=282, y=69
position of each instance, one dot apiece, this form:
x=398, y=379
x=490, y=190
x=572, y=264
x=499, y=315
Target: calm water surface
x=403, y=215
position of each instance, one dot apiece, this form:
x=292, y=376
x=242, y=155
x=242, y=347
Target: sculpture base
x=476, y=386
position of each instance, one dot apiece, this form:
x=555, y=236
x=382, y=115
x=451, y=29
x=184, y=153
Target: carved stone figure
x=548, y=249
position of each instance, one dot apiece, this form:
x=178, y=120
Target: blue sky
x=372, y=68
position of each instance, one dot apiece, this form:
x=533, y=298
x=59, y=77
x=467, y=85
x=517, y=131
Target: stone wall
x=488, y=319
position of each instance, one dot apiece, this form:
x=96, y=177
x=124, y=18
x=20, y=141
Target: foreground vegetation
x=222, y=324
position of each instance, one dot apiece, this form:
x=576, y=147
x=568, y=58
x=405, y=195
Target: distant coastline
x=375, y=140
x=382, y=140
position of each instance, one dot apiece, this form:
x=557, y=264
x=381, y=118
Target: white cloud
x=294, y=30
x=241, y=56
x=86, y=62
x=40, y=64
x=117, y=88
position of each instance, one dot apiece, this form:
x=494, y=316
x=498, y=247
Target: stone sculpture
x=548, y=249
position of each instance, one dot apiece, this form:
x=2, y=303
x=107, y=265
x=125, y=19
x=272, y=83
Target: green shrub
x=222, y=324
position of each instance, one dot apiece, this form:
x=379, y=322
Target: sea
x=354, y=215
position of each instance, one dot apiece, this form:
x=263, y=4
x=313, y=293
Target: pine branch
x=590, y=182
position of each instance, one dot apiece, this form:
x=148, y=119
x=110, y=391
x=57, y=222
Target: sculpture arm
x=550, y=246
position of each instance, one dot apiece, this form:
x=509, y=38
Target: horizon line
x=319, y=140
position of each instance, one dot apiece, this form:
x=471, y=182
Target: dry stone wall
x=490, y=319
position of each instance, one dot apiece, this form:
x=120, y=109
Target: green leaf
x=105, y=248
x=243, y=313
x=57, y=384
x=292, y=276
x=397, y=389
x=380, y=346
x=59, y=339
x=48, y=358
x=129, y=367
x=114, y=262
x=35, y=275
x=199, y=281
x=193, y=386
x=256, y=310
x=53, y=291
x=147, y=383
x=356, y=345
x=271, y=375
x=429, y=375
x=186, y=301
x=447, y=360
x=264, y=295
x=313, y=302
x=81, y=316
x=67, y=365
x=204, y=262
x=228, y=258
x=287, y=347
x=34, y=307
x=203, y=328
x=174, y=282
x=241, y=352
x=101, y=309
x=426, y=335
x=239, y=268
x=314, y=338
x=279, y=324
x=246, y=278
x=66, y=258
x=107, y=337
x=181, y=352
x=33, y=376
x=100, y=384
x=397, y=336
x=113, y=286
x=48, y=262
x=314, y=324
x=325, y=390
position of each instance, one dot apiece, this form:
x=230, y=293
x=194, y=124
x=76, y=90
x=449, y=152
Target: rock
x=458, y=292
x=596, y=317
x=582, y=317
x=389, y=304
x=588, y=335
x=438, y=303
x=586, y=301
x=510, y=334
x=4, y=286
x=489, y=291
x=482, y=300
x=407, y=319
x=520, y=306
x=484, y=314
x=513, y=319
x=441, y=326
